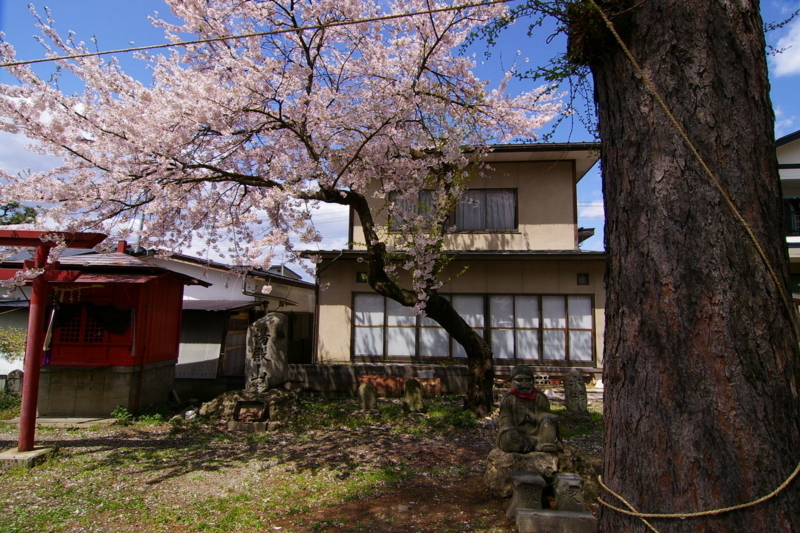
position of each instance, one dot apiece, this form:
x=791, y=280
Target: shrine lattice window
x=82, y=329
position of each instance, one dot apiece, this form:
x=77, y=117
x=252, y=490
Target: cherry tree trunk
x=480, y=365
x=701, y=359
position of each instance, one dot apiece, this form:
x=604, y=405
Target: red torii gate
x=35, y=344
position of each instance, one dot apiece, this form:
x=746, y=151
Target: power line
x=258, y=34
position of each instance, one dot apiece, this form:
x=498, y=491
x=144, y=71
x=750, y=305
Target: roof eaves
x=222, y=267
x=786, y=139
x=489, y=254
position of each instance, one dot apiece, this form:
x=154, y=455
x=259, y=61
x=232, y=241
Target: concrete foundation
x=13, y=459
x=344, y=378
x=95, y=392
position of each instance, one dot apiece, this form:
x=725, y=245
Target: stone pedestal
x=528, y=488
x=546, y=521
x=500, y=465
x=568, y=489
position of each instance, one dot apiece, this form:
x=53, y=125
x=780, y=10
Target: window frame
x=487, y=331
x=484, y=229
x=452, y=219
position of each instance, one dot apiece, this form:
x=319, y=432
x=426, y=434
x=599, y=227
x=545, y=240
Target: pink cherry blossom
x=235, y=141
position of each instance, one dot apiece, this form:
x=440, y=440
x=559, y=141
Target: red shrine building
x=111, y=334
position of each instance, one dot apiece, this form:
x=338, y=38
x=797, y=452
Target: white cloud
x=591, y=209
x=332, y=221
x=784, y=124
x=14, y=158
x=787, y=63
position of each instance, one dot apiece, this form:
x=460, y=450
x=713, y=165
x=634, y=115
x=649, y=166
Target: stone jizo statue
x=526, y=423
x=575, y=398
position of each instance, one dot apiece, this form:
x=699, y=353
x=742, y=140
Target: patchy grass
x=328, y=471
x=442, y=414
x=572, y=428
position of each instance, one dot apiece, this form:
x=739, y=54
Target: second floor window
x=487, y=210
x=479, y=210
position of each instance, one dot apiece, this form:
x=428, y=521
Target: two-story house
x=212, y=351
x=518, y=277
x=788, y=150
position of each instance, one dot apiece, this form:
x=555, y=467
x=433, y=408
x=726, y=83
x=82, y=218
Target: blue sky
x=118, y=23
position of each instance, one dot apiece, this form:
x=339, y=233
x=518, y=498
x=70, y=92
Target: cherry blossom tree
x=238, y=140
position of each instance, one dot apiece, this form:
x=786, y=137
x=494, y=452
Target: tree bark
x=701, y=359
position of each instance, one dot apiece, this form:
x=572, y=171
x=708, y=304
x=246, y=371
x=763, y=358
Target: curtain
x=500, y=209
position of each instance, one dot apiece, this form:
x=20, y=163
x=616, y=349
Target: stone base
x=247, y=427
x=13, y=459
x=589, y=467
x=546, y=521
x=282, y=403
x=500, y=465
x=577, y=416
x=528, y=489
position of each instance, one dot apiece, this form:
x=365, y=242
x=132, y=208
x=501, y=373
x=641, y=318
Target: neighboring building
x=215, y=314
x=113, y=335
x=525, y=285
x=788, y=150
x=215, y=319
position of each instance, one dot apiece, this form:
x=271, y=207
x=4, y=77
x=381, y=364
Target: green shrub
x=123, y=416
x=12, y=343
x=9, y=405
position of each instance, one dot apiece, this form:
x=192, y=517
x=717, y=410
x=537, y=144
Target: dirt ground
x=375, y=478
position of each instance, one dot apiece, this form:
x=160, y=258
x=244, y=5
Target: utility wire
x=259, y=34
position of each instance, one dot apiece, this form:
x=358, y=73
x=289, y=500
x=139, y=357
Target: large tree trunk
x=701, y=359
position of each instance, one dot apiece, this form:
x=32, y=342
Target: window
x=82, y=328
x=422, y=206
x=533, y=329
x=550, y=329
x=487, y=209
x=791, y=208
x=479, y=210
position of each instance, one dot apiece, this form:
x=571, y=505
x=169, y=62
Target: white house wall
x=231, y=287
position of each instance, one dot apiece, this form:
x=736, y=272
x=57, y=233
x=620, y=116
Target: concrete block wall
x=159, y=381
x=98, y=391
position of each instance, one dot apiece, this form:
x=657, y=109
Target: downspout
x=315, y=352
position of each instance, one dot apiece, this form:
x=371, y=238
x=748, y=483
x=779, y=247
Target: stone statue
x=575, y=398
x=526, y=423
x=14, y=382
x=266, y=364
x=367, y=400
x=412, y=397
